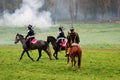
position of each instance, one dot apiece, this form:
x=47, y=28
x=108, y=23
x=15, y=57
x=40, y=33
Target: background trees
x=74, y=10
x=9, y=5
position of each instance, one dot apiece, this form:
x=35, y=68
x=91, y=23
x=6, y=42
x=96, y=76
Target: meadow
x=100, y=59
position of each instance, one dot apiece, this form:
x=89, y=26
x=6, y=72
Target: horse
x=55, y=46
x=75, y=51
x=40, y=45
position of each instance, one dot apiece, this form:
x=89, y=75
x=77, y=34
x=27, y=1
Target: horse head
x=18, y=38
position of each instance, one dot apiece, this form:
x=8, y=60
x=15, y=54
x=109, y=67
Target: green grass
x=97, y=64
x=100, y=59
x=89, y=33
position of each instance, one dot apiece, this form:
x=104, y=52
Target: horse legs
x=22, y=54
x=79, y=61
x=29, y=55
x=67, y=59
x=73, y=63
x=55, y=54
x=39, y=54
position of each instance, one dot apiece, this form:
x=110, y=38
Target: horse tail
x=47, y=49
x=47, y=44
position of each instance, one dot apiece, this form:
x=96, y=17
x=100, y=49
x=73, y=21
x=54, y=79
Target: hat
x=61, y=28
x=71, y=29
x=29, y=26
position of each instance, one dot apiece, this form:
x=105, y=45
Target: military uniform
x=73, y=39
x=60, y=37
x=29, y=36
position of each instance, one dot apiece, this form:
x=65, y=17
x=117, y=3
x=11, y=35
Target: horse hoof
x=78, y=70
x=57, y=58
x=33, y=60
x=73, y=69
x=37, y=60
x=68, y=65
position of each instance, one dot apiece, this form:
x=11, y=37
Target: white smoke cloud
x=28, y=14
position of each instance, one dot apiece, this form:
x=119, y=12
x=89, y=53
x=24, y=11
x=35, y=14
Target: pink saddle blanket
x=34, y=41
x=64, y=43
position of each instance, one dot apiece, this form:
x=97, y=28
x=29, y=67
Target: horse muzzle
x=15, y=42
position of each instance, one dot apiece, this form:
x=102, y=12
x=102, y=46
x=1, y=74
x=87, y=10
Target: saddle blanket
x=64, y=42
x=34, y=40
x=75, y=44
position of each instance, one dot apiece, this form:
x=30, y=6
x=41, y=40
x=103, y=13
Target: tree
x=118, y=11
x=73, y=9
x=84, y=6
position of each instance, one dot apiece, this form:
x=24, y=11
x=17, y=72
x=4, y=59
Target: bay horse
x=75, y=51
x=55, y=46
x=40, y=45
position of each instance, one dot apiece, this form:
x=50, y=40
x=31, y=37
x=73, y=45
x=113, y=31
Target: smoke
x=28, y=13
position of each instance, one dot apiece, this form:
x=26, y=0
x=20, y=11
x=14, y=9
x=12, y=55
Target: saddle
x=30, y=41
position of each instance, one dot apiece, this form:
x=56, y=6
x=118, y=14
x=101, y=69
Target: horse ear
x=17, y=33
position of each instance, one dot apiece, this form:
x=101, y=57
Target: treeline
x=87, y=9
x=103, y=8
x=76, y=9
x=9, y=5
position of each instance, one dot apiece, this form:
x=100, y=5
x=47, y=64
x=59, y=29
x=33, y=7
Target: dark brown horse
x=40, y=45
x=75, y=51
x=55, y=46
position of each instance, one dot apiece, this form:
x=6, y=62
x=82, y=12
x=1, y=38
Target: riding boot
x=28, y=44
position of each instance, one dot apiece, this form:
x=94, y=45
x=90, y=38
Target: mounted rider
x=73, y=38
x=60, y=37
x=30, y=36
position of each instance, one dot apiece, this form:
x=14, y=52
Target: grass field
x=100, y=60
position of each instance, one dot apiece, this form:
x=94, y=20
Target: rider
x=60, y=37
x=73, y=38
x=30, y=35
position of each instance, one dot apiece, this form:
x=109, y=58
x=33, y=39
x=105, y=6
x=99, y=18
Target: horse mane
x=51, y=37
x=20, y=35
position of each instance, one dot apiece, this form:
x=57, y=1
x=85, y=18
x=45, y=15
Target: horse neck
x=22, y=41
x=53, y=42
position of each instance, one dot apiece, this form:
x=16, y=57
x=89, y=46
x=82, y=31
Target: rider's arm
x=77, y=38
x=27, y=34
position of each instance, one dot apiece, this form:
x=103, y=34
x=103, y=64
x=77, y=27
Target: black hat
x=29, y=26
x=61, y=28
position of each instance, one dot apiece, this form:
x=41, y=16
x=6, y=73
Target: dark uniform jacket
x=73, y=38
x=61, y=35
x=30, y=33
